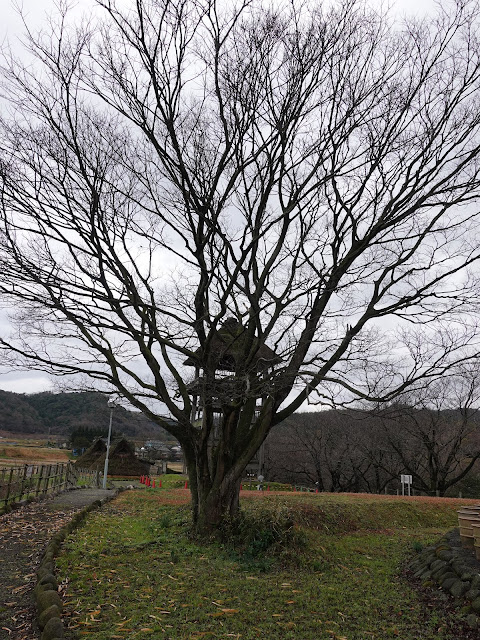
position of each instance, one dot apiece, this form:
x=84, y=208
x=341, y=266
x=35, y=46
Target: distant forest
x=60, y=414
x=361, y=451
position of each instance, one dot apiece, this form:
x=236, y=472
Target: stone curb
x=442, y=565
x=48, y=603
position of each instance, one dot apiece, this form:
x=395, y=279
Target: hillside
x=61, y=413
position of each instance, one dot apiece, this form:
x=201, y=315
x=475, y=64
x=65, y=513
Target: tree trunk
x=213, y=502
x=219, y=507
x=215, y=506
x=216, y=460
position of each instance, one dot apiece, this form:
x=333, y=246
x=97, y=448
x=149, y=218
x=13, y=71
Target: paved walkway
x=24, y=533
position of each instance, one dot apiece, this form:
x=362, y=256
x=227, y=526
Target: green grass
x=172, y=480
x=331, y=572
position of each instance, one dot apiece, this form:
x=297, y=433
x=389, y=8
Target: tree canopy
x=309, y=173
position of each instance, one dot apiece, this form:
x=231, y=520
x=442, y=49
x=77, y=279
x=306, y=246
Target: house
x=122, y=460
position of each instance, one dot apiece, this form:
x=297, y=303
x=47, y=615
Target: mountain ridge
x=58, y=414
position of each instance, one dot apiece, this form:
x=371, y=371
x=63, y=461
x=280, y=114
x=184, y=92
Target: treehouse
x=234, y=368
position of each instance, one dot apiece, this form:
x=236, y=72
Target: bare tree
x=296, y=450
x=436, y=436
x=333, y=451
x=308, y=172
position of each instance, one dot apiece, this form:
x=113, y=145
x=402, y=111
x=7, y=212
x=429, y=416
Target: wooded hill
x=61, y=413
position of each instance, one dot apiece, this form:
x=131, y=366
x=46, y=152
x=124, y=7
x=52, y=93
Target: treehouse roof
x=228, y=347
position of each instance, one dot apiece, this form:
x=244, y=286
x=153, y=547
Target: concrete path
x=24, y=533
x=79, y=498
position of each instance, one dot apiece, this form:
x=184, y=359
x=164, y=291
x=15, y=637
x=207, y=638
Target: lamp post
x=111, y=405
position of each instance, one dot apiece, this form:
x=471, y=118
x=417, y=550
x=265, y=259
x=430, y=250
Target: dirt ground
x=24, y=534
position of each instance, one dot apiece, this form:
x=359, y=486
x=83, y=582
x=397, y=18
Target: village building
x=122, y=460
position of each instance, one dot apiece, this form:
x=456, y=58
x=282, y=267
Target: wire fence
x=33, y=480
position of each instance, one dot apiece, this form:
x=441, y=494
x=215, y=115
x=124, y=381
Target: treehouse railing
x=34, y=480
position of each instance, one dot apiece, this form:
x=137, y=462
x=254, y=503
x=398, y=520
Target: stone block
x=459, y=567
x=46, y=599
x=48, y=614
x=448, y=583
x=437, y=575
x=53, y=630
x=475, y=582
x=458, y=588
x=476, y=605
x=49, y=578
x=446, y=576
x=472, y=621
x=437, y=564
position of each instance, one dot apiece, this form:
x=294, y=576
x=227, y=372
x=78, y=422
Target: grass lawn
x=132, y=571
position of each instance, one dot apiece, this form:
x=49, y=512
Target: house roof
x=121, y=460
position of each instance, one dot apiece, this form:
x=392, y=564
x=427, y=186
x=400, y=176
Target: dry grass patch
x=24, y=455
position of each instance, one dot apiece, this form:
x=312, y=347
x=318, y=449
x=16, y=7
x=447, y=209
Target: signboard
x=405, y=480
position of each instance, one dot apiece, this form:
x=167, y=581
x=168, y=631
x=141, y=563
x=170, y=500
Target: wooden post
x=55, y=478
x=39, y=481
x=8, y=486
x=75, y=476
x=22, y=483
x=47, y=479
x=68, y=475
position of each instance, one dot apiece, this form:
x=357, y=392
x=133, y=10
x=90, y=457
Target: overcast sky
x=11, y=29
x=36, y=10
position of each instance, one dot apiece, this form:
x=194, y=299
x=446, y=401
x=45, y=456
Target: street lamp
x=111, y=405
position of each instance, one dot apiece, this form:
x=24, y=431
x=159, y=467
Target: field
x=15, y=455
x=323, y=567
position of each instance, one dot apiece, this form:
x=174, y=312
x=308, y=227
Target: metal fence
x=33, y=480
